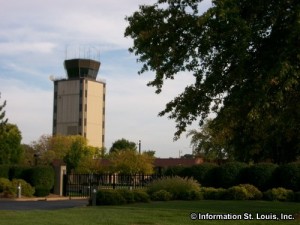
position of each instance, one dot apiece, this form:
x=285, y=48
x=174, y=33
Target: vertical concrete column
x=60, y=171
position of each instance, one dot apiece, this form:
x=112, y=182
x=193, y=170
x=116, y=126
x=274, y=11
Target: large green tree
x=244, y=55
x=3, y=120
x=208, y=143
x=10, y=145
x=131, y=162
x=122, y=144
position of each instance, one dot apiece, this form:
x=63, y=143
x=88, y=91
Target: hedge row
x=120, y=196
x=39, y=177
x=263, y=175
x=157, y=191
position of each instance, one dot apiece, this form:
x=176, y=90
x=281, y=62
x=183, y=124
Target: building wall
x=79, y=108
x=94, y=117
x=66, y=102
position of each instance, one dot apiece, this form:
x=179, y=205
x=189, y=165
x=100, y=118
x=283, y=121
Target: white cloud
x=34, y=36
x=28, y=107
x=12, y=48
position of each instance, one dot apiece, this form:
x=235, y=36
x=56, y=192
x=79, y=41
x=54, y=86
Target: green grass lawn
x=155, y=213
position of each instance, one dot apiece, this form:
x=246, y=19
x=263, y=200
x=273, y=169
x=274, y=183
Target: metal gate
x=82, y=185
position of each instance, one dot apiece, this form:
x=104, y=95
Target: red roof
x=166, y=162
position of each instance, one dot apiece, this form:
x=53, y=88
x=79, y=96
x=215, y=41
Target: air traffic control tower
x=79, y=102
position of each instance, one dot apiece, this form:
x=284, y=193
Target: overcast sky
x=35, y=38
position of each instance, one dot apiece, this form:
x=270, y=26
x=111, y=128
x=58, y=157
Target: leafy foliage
x=180, y=188
x=120, y=196
x=288, y=176
x=4, y=171
x=260, y=175
x=237, y=193
x=208, y=144
x=109, y=197
x=42, y=178
x=131, y=162
x=253, y=193
x=121, y=145
x=201, y=173
x=210, y=193
x=140, y=195
x=279, y=194
x=73, y=150
x=26, y=189
x=251, y=86
x=161, y=195
x=3, y=120
x=10, y=144
x=228, y=174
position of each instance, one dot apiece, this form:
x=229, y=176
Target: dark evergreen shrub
x=228, y=175
x=288, y=176
x=161, y=195
x=41, y=192
x=174, y=171
x=279, y=194
x=260, y=175
x=17, y=172
x=42, y=178
x=4, y=171
x=201, y=173
x=186, y=172
x=109, y=197
x=297, y=196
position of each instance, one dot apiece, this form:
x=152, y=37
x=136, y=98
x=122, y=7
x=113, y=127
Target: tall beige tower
x=79, y=102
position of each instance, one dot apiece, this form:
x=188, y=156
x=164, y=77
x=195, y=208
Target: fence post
x=19, y=190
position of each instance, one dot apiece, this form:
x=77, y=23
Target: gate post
x=60, y=170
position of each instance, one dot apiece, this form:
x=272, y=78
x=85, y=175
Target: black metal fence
x=81, y=185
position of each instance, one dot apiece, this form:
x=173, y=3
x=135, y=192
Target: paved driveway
x=42, y=205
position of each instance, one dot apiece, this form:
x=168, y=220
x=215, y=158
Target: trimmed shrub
x=140, y=195
x=260, y=175
x=26, y=189
x=42, y=178
x=174, y=171
x=4, y=182
x=179, y=187
x=6, y=188
x=252, y=192
x=288, y=176
x=193, y=195
x=161, y=195
x=109, y=197
x=228, y=174
x=279, y=194
x=236, y=193
x=41, y=192
x=127, y=195
x=186, y=172
x=4, y=171
x=297, y=196
x=203, y=173
x=210, y=193
x=17, y=172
